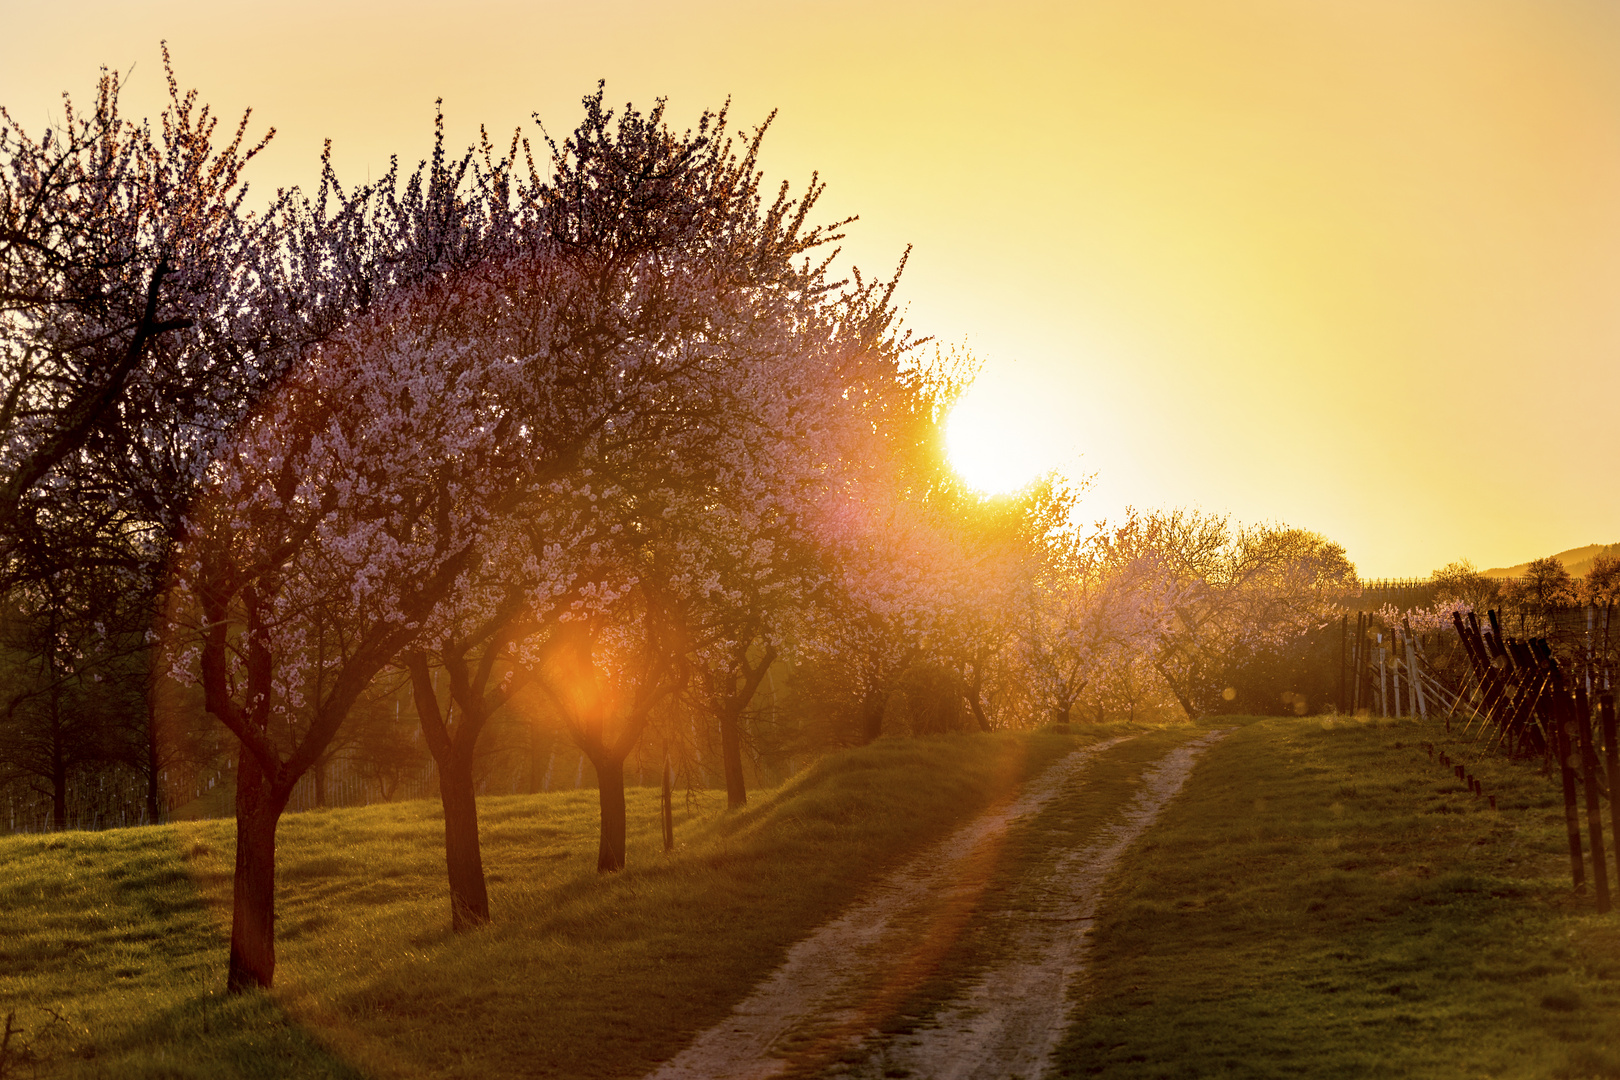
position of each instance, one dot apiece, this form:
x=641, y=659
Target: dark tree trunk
x=872, y=715
x=667, y=808
x=154, y=790
x=975, y=704
x=610, y=790
x=469, y=898
x=59, y=799
x=58, y=767
x=730, y=710
x=731, y=756
x=541, y=753
x=253, y=908
x=453, y=753
x=1181, y=696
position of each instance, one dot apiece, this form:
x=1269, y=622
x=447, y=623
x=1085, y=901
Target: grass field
x=1321, y=901
x=121, y=934
x=1326, y=902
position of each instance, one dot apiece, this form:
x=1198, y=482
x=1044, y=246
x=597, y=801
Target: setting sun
x=995, y=442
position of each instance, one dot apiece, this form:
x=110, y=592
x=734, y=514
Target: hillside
x=1576, y=560
x=122, y=933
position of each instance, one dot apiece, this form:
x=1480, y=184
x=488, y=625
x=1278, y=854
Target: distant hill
x=1576, y=560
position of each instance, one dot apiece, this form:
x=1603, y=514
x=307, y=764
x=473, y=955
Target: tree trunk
x=872, y=715
x=667, y=807
x=154, y=790
x=469, y=899
x=453, y=753
x=253, y=908
x=541, y=752
x=610, y=791
x=58, y=762
x=731, y=756
x=1176, y=689
x=972, y=691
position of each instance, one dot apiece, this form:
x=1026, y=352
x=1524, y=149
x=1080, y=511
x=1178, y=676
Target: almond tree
x=1545, y=587
x=1601, y=589
x=882, y=528
x=699, y=535
x=335, y=523
x=1231, y=592
x=1097, y=603
x=812, y=414
x=126, y=265
x=662, y=401
x=999, y=545
x=131, y=331
x=884, y=600
x=143, y=312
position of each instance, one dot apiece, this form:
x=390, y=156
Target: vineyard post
x=1395, y=671
x=1589, y=784
x=1611, y=754
x=1383, y=681
x=1572, y=820
x=1351, y=690
x=1344, y=641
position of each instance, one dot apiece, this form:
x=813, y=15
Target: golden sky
x=1350, y=265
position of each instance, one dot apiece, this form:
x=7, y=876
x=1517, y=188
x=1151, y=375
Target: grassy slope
x=122, y=933
x=1328, y=902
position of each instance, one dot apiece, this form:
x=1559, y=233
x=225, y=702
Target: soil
x=818, y=1013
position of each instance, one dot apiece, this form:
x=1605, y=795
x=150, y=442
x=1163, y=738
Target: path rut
x=823, y=1001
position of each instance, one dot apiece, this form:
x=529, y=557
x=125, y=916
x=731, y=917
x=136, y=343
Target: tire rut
x=824, y=999
x=1007, y=1022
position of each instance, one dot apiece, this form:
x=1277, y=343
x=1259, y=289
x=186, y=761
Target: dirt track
x=821, y=1005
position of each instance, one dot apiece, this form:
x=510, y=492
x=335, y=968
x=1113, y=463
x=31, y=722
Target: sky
x=1348, y=265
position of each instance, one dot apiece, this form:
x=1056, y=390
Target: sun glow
x=995, y=441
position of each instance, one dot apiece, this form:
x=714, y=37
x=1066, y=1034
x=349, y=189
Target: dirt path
x=824, y=999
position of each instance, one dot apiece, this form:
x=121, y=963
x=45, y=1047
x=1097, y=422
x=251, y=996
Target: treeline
x=1575, y=616
x=404, y=483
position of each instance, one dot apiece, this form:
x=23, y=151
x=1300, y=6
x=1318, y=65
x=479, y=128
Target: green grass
x=1320, y=901
x=1326, y=902
x=122, y=934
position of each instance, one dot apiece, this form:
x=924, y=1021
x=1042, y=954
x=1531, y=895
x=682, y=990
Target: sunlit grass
x=123, y=933
x=1326, y=902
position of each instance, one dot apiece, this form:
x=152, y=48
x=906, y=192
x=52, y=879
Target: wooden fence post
x=1416, y=680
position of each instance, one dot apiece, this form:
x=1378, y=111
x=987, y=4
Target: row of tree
x=594, y=434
